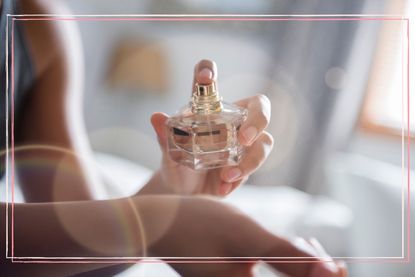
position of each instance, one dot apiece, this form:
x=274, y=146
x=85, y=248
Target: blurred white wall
x=377, y=194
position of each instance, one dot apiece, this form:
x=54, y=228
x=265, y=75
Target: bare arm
x=69, y=229
x=160, y=226
x=52, y=115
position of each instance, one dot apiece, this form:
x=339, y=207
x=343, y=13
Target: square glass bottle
x=204, y=133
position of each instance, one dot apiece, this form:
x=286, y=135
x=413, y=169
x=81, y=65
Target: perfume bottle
x=204, y=133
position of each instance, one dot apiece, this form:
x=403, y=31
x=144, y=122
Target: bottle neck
x=206, y=100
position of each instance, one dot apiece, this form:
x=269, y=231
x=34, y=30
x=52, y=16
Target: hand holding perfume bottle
x=211, y=146
x=204, y=133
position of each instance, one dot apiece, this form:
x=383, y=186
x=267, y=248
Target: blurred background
x=339, y=168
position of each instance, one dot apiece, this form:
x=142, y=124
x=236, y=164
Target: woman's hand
x=176, y=178
x=200, y=227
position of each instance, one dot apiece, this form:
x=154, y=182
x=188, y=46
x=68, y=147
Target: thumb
x=158, y=120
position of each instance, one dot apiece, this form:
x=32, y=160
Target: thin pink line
x=12, y=136
x=206, y=19
x=203, y=261
x=409, y=147
x=403, y=139
x=199, y=19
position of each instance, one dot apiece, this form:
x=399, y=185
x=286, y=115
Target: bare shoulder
x=50, y=41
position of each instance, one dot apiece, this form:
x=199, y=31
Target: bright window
x=385, y=109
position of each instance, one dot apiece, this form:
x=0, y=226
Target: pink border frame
x=46, y=17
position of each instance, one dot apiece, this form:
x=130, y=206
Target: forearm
x=49, y=173
x=110, y=228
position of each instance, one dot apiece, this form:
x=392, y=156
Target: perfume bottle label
x=182, y=138
x=180, y=133
x=212, y=137
x=203, y=141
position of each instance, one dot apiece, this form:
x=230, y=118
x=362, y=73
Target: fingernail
x=249, y=134
x=342, y=267
x=318, y=246
x=302, y=244
x=206, y=73
x=233, y=174
x=328, y=262
x=225, y=188
x=330, y=266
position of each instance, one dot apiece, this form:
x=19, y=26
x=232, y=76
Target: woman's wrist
x=157, y=214
x=156, y=185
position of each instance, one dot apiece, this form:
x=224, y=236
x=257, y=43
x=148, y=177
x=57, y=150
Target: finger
x=282, y=251
x=158, y=120
x=205, y=72
x=310, y=265
x=338, y=267
x=322, y=269
x=319, y=248
x=327, y=261
x=259, y=114
x=226, y=188
x=254, y=156
x=238, y=183
x=342, y=269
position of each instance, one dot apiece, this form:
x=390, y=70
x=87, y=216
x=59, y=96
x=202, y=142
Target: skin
x=171, y=224
x=171, y=227
x=55, y=51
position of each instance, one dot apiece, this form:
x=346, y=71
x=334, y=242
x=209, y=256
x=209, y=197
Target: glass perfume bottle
x=204, y=133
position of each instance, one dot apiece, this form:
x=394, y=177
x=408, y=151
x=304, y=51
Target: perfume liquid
x=204, y=133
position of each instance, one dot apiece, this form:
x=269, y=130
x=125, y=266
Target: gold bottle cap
x=206, y=99
x=205, y=90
